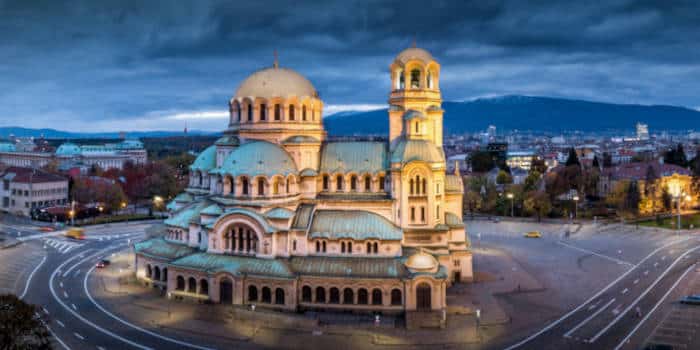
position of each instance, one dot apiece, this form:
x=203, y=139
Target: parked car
x=533, y=234
x=102, y=263
x=691, y=299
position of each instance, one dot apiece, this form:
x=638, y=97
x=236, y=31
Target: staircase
x=424, y=319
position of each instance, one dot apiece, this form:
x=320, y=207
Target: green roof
x=213, y=210
x=452, y=220
x=301, y=139
x=160, y=248
x=258, y=158
x=453, y=183
x=407, y=151
x=68, y=149
x=7, y=147
x=247, y=212
x=228, y=140
x=187, y=215
x=279, y=213
x=360, y=157
x=413, y=114
x=206, y=160
x=308, y=172
x=183, y=197
x=303, y=217
x=349, y=267
x=354, y=224
x=235, y=265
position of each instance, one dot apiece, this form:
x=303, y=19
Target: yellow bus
x=75, y=233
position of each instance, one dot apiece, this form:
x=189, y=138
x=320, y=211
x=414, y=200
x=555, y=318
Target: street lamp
x=674, y=188
x=576, y=206
x=510, y=196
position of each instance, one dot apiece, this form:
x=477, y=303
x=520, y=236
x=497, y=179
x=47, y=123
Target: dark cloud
x=124, y=64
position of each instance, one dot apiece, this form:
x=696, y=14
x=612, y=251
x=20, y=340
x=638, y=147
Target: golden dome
x=414, y=53
x=276, y=82
x=422, y=262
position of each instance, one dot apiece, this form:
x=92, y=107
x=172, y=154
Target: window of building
x=412, y=186
x=250, y=112
x=334, y=296
x=303, y=113
x=353, y=183
x=279, y=296
x=342, y=247
x=294, y=245
x=402, y=80
x=376, y=247
x=396, y=297
x=430, y=80
x=318, y=247
x=325, y=182
x=339, y=182
x=377, y=296
x=252, y=293
x=306, y=294
x=422, y=214
x=348, y=296
x=457, y=263
x=323, y=246
x=320, y=295
x=261, y=187
x=368, y=183
x=244, y=185
x=263, y=112
x=266, y=295
x=415, y=79
x=437, y=212
x=413, y=214
x=381, y=183
x=291, y=112
x=362, y=297
x=278, y=111
x=425, y=186
x=349, y=247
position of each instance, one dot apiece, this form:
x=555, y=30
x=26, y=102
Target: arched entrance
x=423, y=297
x=226, y=291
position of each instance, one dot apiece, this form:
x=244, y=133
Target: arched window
x=279, y=296
x=422, y=214
x=376, y=296
x=278, y=111
x=324, y=246
x=244, y=186
x=288, y=187
x=381, y=183
x=165, y=274
x=250, y=112
x=402, y=80
x=430, y=80
x=348, y=296
x=303, y=113
x=263, y=112
x=369, y=247
x=180, y=283
x=425, y=186
x=318, y=247
x=291, y=112
x=266, y=295
x=342, y=247
x=362, y=297
x=294, y=245
x=156, y=273
x=261, y=187
x=192, y=285
x=353, y=183
x=335, y=296
x=326, y=180
x=149, y=271
x=349, y=247
x=396, y=297
x=203, y=287
x=368, y=183
x=376, y=247
x=275, y=187
x=417, y=128
x=415, y=79
x=306, y=294
x=413, y=214
x=320, y=295
x=252, y=293
x=412, y=185
x=339, y=183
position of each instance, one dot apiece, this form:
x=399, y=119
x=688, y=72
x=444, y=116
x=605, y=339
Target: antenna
x=413, y=43
x=276, y=62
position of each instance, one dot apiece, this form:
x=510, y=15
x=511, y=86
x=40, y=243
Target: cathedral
x=278, y=217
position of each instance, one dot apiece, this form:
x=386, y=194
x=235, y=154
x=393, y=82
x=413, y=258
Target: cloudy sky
x=149, y=65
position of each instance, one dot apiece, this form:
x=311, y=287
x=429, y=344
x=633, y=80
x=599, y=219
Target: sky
x=151, y=65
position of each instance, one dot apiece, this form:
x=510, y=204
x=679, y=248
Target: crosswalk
x=62, y=246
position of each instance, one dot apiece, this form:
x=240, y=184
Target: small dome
x=228, y=140
x=414, y=114
x=276, y=82
x=206, y=160
x=422, y=262
x=68, y=149
x=414, y=53
x=259, y=158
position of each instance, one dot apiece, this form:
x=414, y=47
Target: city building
x=277, y=216
x=520, y=159
x=69, y=155
x=24, y=189
x=664, y=175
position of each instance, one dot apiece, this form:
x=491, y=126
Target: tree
x=481, y=161
x=472, y=202
x=503, y=178
x=573, y=158
x=537, y=203
x=530, y=183
x=607, y=160
x=632, y=198
x=596, y=164
x=20, y=326
x=538, y=165
x=676, y=156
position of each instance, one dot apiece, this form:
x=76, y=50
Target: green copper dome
x=407, y=151
x=258, y=158
x=68, y=149
x=206, y=160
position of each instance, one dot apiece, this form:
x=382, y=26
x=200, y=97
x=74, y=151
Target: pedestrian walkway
x=63, y=246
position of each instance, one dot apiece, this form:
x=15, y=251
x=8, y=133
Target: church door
x=226, y=291
x=423, y=297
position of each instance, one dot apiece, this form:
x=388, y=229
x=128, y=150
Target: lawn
x=687, y=222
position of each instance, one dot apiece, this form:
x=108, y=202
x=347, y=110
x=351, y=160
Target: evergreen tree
x=607, y=160
x=573, y=158
x=650, y=181
x=632, y=199
x=596, y=164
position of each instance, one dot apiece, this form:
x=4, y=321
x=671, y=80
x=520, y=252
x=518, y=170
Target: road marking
x=656, y=264
x=55, y=336
x=618, y=261
x=100, y=348
x=690, y=268
x=29, y=279
x=45, y=311
x=179, y=342
x=73, y=306
x=80, y=317
x=60, y=284
x=65, y=295
x=624, y=291
x=594, y=305
x=61, y=324
x=572, y=330
x=636, y=281
x=600, y=292
x=605, y=329
x=663, y=258
x=646, y=272
x=79, y=336
x=65, y=274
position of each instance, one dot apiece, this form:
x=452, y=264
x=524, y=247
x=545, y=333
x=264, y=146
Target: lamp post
x=674, y=188
x=72, y=213
x=510, y=196
x=576, y=198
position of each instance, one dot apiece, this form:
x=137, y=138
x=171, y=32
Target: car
x=46, y=229
x=75, y=233
x=691, y=300
x=102, y=263
x=533, y=234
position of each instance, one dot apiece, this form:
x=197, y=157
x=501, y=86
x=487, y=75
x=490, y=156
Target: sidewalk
x=235, y=325
x=7, y=241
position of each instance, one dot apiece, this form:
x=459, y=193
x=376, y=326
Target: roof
x=300, y=139
x=213, y=210
x=407, y=151
x=453, y=183
x=183, y=197
x=275, y=82
x=360, y=157
x=187, y=215
x=308, y=172
x=29, y=175
x=349, y=267
x=161, y=249
x=279, y=213
x=206, y=160
x=354, y=224
x=7, y=147
x=638, y=171
x=258, y=158
x=68, y=149
x=228, y=140
x=413, y=114
x=247, y=212
x=452, y=220
x=414, y=53
x=303, y=217
x=235, y=265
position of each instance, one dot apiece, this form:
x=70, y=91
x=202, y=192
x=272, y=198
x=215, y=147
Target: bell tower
x=415, y=101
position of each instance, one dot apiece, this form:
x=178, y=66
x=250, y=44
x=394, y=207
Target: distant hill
x=59, y=134
x=528, y=113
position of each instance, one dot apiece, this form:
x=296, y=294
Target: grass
x=672, y=222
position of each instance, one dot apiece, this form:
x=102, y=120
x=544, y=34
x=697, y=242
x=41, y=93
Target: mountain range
x=509, y=112
x=528, y=113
